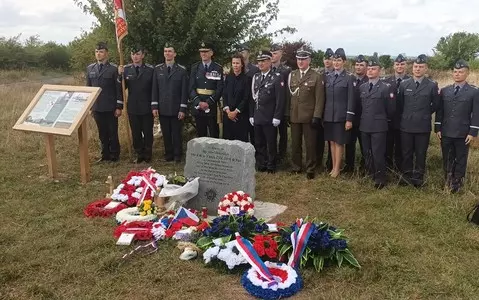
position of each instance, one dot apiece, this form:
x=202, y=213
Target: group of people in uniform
x=390, y=118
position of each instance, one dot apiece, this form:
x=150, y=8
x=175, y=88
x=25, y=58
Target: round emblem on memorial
x=211, y=194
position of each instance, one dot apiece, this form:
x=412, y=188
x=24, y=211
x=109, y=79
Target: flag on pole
x=120, y=21
x=186, y=217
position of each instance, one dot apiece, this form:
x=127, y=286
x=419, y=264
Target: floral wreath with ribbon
x=235, y=203
x=99, y=208
x=133, y=189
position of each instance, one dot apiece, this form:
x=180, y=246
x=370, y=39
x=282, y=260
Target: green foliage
x=386, y=61
x=317, y=59
x=185, y=24
x=289, y=52
x=32, y=53
x=459, y=45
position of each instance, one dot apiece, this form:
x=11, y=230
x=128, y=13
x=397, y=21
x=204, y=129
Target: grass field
x=412, y=244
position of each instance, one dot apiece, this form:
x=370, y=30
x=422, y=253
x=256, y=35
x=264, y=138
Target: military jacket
x=458, y=115
x=206, y=87
x=357, y=97
x=139, y=88
x=416, y=106
x=268, y=99
x=307, y=96
x=111, y=96
x=396, y=119
x=340, y=103
x=170, y=90
x=378, y=106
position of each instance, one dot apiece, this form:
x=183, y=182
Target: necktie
x=101, y=67
x=274, y=69
x=370, y=86
x=335, y=77
x=169, y=70
x=206, y=68
x=137, y=69
x=302, y=74
x=358, y=81
x=399, y=80
x=456, y=90
x=262, y=79
x=417, y=84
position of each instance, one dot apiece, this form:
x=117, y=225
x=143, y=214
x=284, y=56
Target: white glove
x=251, y=120
x=276, y=122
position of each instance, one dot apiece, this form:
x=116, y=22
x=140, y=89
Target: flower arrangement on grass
x=224, y=227
x=147, y=207
x=99, y=208
x=235, y=203
x=326, y=245
x=265, y=246
x=130, y=189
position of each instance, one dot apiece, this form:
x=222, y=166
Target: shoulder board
x=113, y=65
x=427, y=79
x=217, y=64
x=91, y=65
x=181, y=66
x=149, y=66
x=159, y=65
x=349, y=73
x=128, y=65
x=473, y=86
x=195, y=64
x=385, y=83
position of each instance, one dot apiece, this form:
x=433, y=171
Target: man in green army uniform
x=305, y=110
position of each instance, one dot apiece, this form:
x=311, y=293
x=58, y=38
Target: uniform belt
x=205, y=92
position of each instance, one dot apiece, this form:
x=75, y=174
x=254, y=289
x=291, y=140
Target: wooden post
x=125, y=101
x=83, y=145
x=51, y=155
x=109, y=181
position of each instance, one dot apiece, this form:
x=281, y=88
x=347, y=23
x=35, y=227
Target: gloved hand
x=315, y=123
x=251, y=121
x=276, y=122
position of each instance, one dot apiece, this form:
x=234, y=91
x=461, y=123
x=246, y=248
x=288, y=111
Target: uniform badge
x=282, y=83
x=202, y=44
x=306, y=84
x=391, y=95
x=354, y=83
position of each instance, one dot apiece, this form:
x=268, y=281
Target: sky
x=360, y=27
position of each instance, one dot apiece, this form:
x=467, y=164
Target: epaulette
x=149, y=66
x=387, y=84
x=91, y=65
x=195, y=64
x=429, y=80
x=159, y=65
x=218, y=64
x=113, y=65
x=181, y=66
x=473, y=86
x=128, y=65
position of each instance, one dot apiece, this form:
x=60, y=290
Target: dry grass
x=412, y=244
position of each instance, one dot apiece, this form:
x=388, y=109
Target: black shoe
x=379, y=186
x=115, y=159
x=347, y=169
x=177, y=160
x=310, y=175
x=168, y=159
x=147, y=159
x=261, y=169
x=295, y=172
x=271, y=171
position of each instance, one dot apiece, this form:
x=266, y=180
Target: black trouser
x=374, y=149
x=142, y=132
x=107, y=125
x=251, y=133
x=265, y=138
x=205, y=124
x=283, y=139
x=454, y=157
x=393, y=149
x=320, y=146
x=351, y=149
x=171, y=128
x=414, y=145
x=236, y=130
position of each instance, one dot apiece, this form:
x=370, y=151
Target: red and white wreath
x=235, y=203
x=129, y=191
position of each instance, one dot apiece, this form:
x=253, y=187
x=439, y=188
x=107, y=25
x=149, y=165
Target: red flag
x=120, y=20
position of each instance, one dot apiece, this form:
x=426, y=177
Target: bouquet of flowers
x=130, y=189
x=265, y=246
x=168, y=228
x=224, y=228
x=234, y=203
x=326, y=245
x=147, y=207
x=227, y=253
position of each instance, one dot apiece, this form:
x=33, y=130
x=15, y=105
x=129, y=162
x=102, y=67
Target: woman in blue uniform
x=236, y=93
x=339, y=109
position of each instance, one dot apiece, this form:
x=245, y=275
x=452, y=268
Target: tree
x=185, y=23
x=459, y=45
x=289, y=52
x=317, y=59
x=386, y=61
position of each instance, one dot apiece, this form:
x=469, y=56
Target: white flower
x=235, y=198
x=139, y=190
x=210, y=254
x=250, y=211
x=241, y=193
x=250, y=199
x=226, y=203
x=243, y=203
x=136, y=195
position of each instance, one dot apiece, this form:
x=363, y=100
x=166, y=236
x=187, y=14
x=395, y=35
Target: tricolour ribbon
x=146, y=177
x=246, y=249
x=299, y=240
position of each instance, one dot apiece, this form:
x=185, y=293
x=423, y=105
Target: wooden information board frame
x=78, y=111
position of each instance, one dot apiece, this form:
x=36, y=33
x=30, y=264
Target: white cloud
x=366, y=26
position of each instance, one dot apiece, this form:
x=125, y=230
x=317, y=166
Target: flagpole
x=125, y=100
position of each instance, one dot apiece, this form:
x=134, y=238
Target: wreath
x=236, y=203
x=132, y=214
x=97, y=208
x=289, y=282
x=130, y=189
x=141, y=229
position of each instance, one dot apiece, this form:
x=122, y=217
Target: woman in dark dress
x=339, y=109
x=236, y=93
